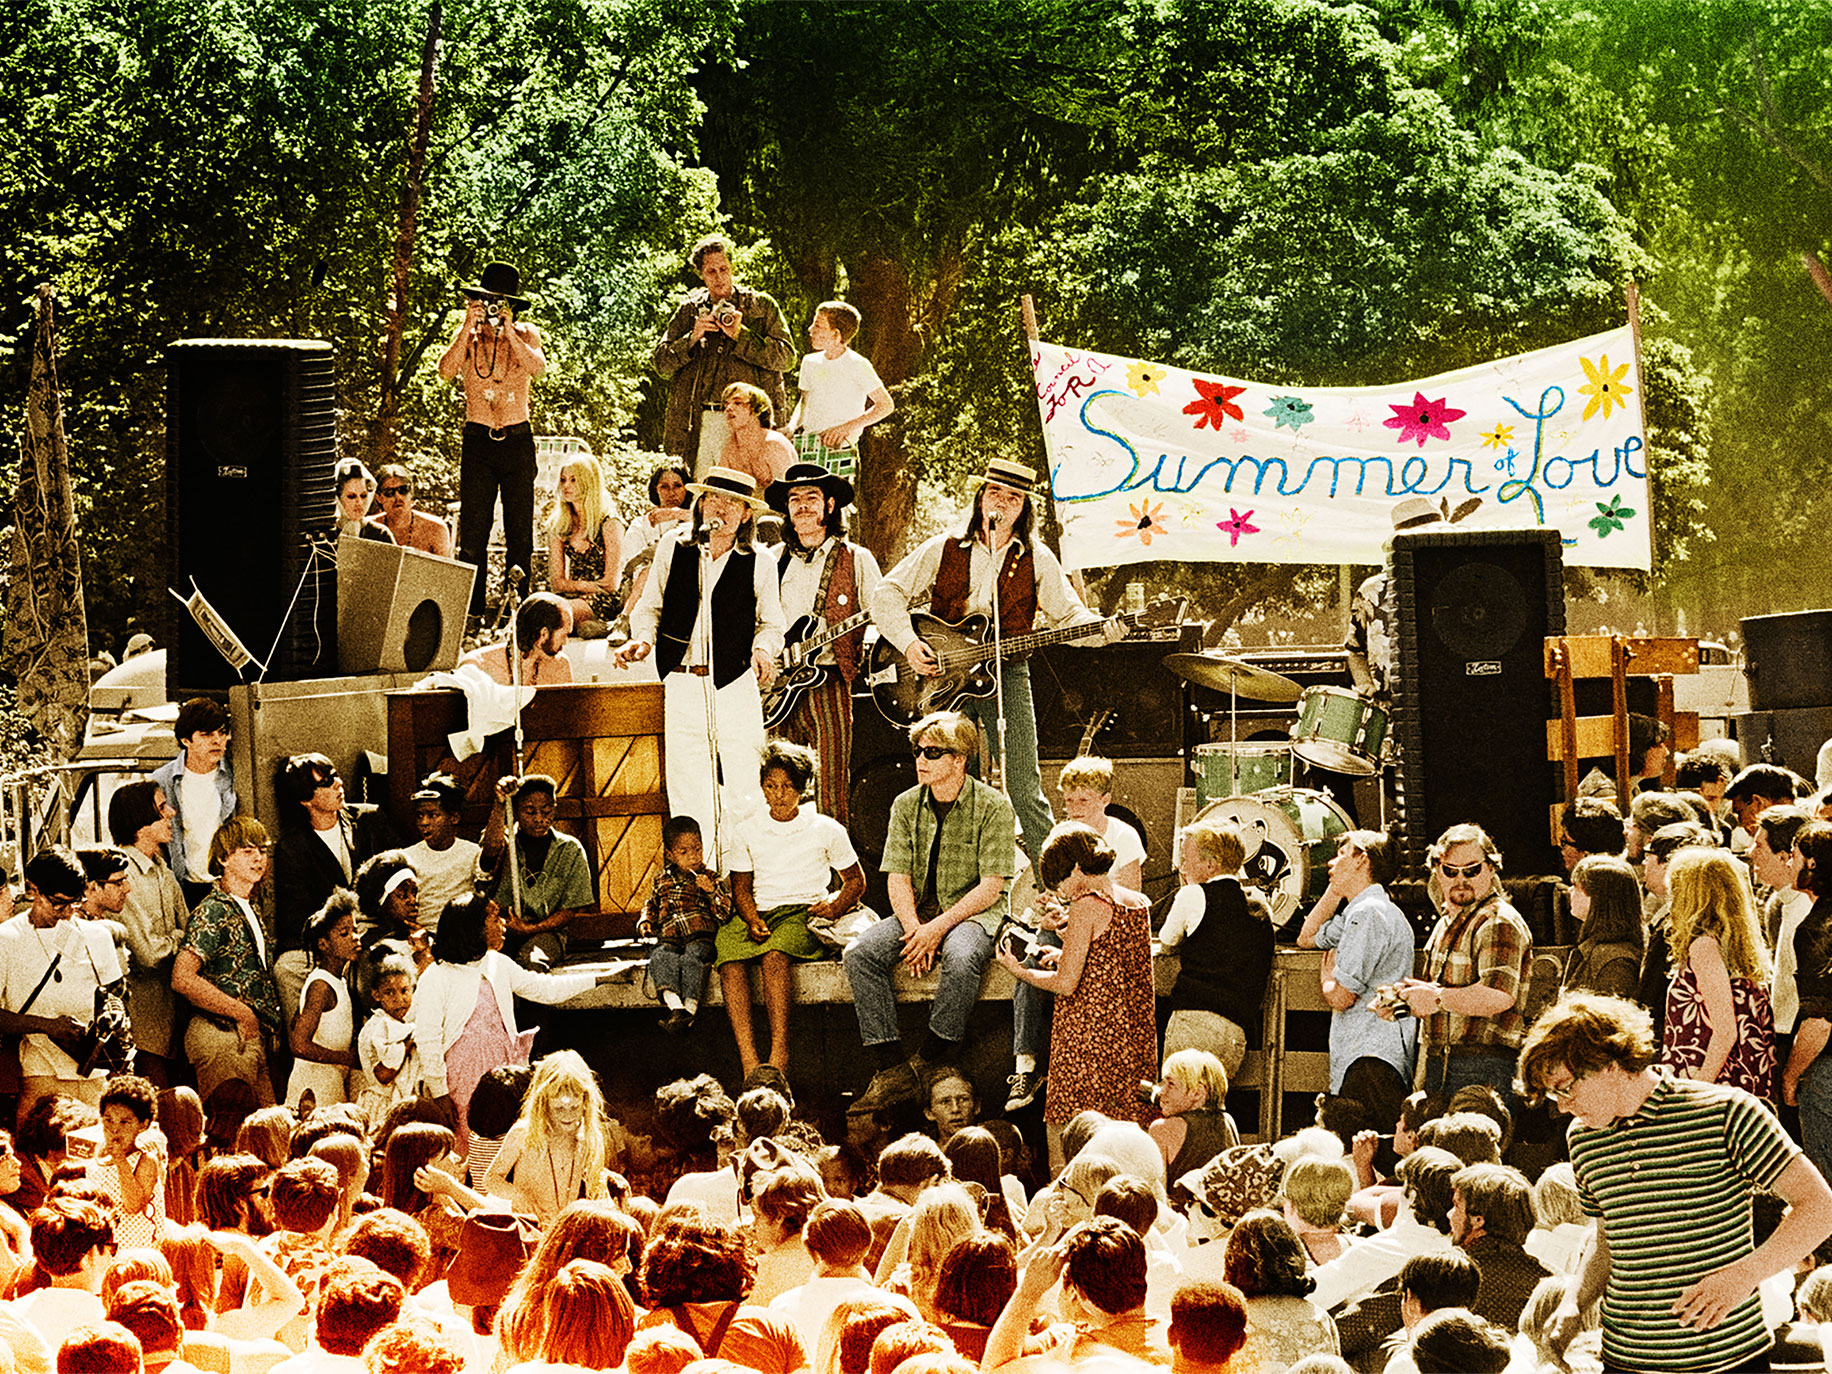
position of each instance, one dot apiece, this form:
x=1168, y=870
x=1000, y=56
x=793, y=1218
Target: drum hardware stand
x=512, y=597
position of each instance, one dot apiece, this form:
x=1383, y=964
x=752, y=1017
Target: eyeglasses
x=932, y=752
x=60, y=903
x=1562, y=1093
x=396, y=491
x=1462, y=870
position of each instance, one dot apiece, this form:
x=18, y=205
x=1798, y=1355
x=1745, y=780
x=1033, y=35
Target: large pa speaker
x=1124, y=688
x=1472, y=700
x=399, y=610
x=251, y=440
x=1790, y=660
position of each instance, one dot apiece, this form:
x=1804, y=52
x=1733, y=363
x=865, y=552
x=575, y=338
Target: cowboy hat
x=740, y=486
x=492, y=1248
x=808, y=475
x=499, y=279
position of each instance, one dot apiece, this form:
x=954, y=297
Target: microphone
x=993, y=520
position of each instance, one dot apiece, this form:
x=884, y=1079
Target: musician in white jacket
x=464, y=1006
x=953, y=573
x=826, y=578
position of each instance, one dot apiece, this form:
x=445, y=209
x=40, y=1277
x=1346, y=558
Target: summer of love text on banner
x=1150, y=462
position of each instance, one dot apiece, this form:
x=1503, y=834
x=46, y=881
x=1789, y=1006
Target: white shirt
x=89, y=961
x=445, y=875
x=1784, y=992
x=55, y=1312
x=1368, y=1263
x=801, y=584
x=716, y=1191
x=200, y=804
x=791, y=861
x=810, y=1305
x=382, y=1043
x=647, y=614
x=1125, y=843
x=833, y=391
x=333, y=840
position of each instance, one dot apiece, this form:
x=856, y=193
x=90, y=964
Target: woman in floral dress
x=1720, y=1026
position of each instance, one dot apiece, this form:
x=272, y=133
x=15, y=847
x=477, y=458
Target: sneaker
x=1024, y=1087
x=887, y=1088
x=679, y=1021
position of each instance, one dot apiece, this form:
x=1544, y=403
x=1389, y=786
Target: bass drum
x=1290, y=836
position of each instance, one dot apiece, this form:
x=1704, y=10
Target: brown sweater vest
x=1017, y=593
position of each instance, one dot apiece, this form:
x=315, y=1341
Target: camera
x=1147, y=1094
x=1018, y=943
x=1389, y=998
x=493, y=311
x=723, y=313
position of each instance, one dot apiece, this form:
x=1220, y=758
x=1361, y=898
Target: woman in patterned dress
x=1720, y=1026
x=585, y=543
x=1104, y=1041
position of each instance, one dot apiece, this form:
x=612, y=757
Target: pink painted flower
x=1422, y=419
x=1235, y=527
x=1214, y=402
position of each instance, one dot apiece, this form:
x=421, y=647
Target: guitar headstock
x=1168, y=611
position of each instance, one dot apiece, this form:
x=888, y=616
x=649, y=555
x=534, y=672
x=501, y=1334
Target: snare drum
x=1339, y=731
x=1290, y=835
x=1256, y=765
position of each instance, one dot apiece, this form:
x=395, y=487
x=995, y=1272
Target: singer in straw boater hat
x=497, y=357
x=711, y=615
x=953, y=574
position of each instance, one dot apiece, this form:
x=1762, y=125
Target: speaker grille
x=251, y=444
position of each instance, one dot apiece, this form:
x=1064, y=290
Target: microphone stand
x=512, y=598
x=710, y=687
x=998, y=651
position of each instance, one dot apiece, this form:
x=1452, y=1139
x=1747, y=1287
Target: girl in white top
x=326, y=1025
x=559, y=1150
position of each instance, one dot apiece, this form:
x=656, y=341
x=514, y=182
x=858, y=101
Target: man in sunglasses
x=949, y=856
x=1670, y=1167
x=412, y=529
x=1476, y=958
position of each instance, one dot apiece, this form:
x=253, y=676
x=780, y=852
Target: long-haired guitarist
x=954, y=574
x=825, y=581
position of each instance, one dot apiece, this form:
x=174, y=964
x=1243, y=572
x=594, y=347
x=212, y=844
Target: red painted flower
x=1214, y=403
x=1423, y=419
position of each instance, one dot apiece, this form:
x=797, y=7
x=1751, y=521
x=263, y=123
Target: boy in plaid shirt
x=685, y=907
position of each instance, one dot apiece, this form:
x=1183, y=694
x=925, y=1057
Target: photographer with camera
x=51, y=966
x=722, y=333
x=497, y=357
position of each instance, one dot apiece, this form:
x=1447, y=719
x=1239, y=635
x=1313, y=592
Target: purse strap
x=50, y=968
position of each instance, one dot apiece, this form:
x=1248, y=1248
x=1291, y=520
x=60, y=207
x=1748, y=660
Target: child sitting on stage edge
x=685, y=909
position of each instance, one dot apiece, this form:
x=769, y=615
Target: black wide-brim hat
x=499, y=279
x=776, y=495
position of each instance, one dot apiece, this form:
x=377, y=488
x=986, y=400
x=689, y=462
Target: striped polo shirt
x=1672, y=1185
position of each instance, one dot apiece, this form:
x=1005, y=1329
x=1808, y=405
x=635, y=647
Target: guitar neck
x=1023, y=644
x=808, y=647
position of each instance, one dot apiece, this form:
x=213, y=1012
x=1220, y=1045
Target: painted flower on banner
x=1214, y=402
x=1609, y=517
x=1289, y=410
x=1423, y=419
x=1605, y=387
x=1145, y=522
x=1501, y=436
x=1236, y=525
x=1143, y=378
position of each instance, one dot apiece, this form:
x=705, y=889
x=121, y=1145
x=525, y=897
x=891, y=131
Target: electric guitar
x=797, y=673
x=965, y=652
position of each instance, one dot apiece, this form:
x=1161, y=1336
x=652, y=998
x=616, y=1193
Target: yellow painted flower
x=1144, y=522
x=1499, y=437
x=1605, y=387
x=1143, y=378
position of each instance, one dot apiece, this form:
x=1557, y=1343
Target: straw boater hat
x=808, y=475
x=1009, y=474
x=499, y=279
x=740, y=486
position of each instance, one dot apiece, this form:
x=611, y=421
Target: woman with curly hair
x=559, y=1149
x=696, y=1276
x=590, y=1229
x=976, y=1280
x=1720, y=1025
x=1266, y=1261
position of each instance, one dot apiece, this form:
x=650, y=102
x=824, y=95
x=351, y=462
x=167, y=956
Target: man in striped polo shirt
x=1668, y=1165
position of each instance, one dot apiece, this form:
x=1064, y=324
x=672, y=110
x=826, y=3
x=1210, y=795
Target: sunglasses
x=932, y=752
x=396, y=491
x=1462, y=870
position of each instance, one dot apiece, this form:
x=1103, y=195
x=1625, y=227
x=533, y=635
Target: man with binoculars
x=722, y=333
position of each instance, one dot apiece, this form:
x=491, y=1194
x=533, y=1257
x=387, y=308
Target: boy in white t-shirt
x=840, y=393
x=1086, y=787
x=447, y=867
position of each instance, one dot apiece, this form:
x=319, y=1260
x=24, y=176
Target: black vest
x=1227, y=963
x=734, y=614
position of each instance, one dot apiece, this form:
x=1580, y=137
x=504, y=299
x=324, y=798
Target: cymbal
x=1233, y=675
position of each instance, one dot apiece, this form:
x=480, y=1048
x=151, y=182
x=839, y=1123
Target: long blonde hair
x=565, y=1071
x=594, y=502
x=1711, y=897
x=941, y=1216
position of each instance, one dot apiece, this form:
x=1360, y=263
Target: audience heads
x=941, y=1216
x=977, y=1278
x=950, y=730
x=904, y=1341
x=411, y=1148
x=837, y=1233
x=1208, y=1322
x=844, y=1170
x=689, y=1111
x=1318, y=1191
x=589, y=1317
x=149, y=1309
x=1555, y=1198
x=695, y=1261
x=414, y=1345
x=760, y=1112
x=914, y=1161
x=66, y=1231
x=1472, y=1137
x=355, y=1301
x=267, y=1134
x=1344, y=1116
x=1813, y=844
x=1425, y=1174
x=1219, y=846
x=1446, y=1278
x=1104, y=1261
x=1585, y=1033
x=462, y=937
x=226, y=1193
x=786, y=1197
x=1815, y=1295
x=1265, y=1258
x=1454, y=1340
x=974, y=1157
x=660, y=1350
x=1071, y=846
x=1080, y=1130
x=1591, y=826
x=1128, y=1145
x=394, y=1242
x=854, y=1326
x=305, y=1195
x=105, y=1349
x=1499, y=1196
x=1130, y=1200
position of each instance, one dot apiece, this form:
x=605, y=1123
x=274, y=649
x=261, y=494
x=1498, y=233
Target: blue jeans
x=1033, y=1009
x=872, y=958
x=1023, y=778
x=681, y=968
x=1445, y=1074
x=1815, y=1097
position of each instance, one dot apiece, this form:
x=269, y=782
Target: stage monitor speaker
x=399, y=610
x=1790, y=660
x=1472, y=700
x=251, y=444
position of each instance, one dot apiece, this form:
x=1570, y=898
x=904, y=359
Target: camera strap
x=50, y=969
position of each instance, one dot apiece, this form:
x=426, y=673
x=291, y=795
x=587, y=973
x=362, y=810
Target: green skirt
x=789, y=935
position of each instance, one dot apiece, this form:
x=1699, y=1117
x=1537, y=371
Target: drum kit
x=1290, y=832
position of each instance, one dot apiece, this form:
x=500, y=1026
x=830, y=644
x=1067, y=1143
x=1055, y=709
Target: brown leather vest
x=1017, y=592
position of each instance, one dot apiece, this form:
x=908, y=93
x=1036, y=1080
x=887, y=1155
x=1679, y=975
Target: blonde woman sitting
x=585, y=546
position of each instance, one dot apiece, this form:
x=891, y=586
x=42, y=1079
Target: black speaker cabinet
x=1472, y=701
x=1790, y=660
x=1790, y=738
x=1124, y=688
x=399, y=610
x=251, y=440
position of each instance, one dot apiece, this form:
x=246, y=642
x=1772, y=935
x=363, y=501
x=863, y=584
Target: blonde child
x=840, y=393
x=1195, y=1125
x=1086, y=788
x=1225, y=937
x=390, y=1061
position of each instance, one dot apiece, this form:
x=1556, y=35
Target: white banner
x=1151, y=462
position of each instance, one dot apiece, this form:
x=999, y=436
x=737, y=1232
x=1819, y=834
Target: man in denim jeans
x=949, y=856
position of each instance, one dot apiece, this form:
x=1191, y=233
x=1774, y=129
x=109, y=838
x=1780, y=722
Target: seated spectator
x=1315, y=1197
x=838, y=1238
x=1194, y=1126
x=782, y=1200
x=905, y=1342
x=1533, y=1346
x=415, y=1345
x=408, y=527
x=1473, y=1137
x=1133, y=1202
x=304, y=1198
x=951, y=1104
x=588, y=1318
x=150, y=1311
x=1456, y=1341
x=1266, y=1262
x=543, y=624
x=73, y=1241
x=1491, y=1212
x=1208, y=1325
x=1561, y=1229
x=356, y=1301
x=1421, y=1227
x=977, y=1279
x=1101, y=1266
x=905, y=1169
x=911, y=1264
x=1425, y=1285
x=559, y=1149
x=585, y=547
x=105, y=1348
x=692, y=1272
